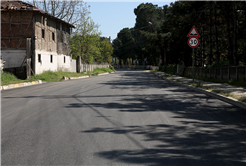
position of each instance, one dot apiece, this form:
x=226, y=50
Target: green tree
x=106, y=50
x=84, y=43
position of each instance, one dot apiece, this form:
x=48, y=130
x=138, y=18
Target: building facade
x=29, y=35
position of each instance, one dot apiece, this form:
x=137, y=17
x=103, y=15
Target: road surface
x=125, y=118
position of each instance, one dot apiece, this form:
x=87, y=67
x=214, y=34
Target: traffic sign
x=193, y=42
x=193, y=32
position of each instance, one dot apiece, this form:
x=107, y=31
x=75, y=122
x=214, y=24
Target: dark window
x=51, y=58
x=42, y=33
x=53, y=36
x=43, y=20
x=39, y=58
x=64, y=59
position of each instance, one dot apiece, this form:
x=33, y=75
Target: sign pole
x=193, y=62
x=193, y=42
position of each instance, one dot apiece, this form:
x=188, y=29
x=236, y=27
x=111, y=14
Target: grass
x=153, y=70
x=243, y=99
x=49, y=76
x=241, y=83
x=7, y=78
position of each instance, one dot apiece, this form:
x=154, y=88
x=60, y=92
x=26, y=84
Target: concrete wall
x=61, y=65
x=91, y=67
x=56, y=64
x=73, y=66
x=13, y=58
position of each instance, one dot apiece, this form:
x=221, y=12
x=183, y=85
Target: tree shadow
x=206, y=131
x=180, y=145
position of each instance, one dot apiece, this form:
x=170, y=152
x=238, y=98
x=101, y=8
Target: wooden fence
x=225, y=73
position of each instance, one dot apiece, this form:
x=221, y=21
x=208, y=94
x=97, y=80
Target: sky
x=112, y=16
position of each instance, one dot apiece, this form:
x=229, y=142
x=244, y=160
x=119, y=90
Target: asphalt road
x=125, y=118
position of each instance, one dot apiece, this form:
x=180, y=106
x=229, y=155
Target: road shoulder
x=230, y=100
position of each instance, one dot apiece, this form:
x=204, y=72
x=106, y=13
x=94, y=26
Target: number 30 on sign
x=193, y=42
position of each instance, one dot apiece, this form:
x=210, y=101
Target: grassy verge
x=200, y=85
x=241, y=83
x=49, y=76
x=153, y=70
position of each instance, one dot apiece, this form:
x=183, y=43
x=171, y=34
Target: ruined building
x=33, y=39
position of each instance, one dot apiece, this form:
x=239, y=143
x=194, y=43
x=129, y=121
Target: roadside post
x=193, y=42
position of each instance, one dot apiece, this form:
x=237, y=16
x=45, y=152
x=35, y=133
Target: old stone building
x=32, y=38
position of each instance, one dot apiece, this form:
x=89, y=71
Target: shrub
x=111, y=67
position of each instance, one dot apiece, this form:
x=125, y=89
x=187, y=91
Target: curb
x=103, y=74
x=72, y=78
x=209, y=93
x=11, y=86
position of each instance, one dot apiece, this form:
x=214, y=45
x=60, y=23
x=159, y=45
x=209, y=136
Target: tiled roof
x=16, y=5
x=19, y=5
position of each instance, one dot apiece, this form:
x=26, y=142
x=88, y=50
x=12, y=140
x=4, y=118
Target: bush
x=222, y=63
x=170, y=69
x=111, y=67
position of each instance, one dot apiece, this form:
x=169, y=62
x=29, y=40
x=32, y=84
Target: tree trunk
x=210, y=34
x=216, y=33
x=234, y=42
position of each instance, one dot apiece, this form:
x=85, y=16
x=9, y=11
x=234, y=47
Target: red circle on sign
x=193, y=42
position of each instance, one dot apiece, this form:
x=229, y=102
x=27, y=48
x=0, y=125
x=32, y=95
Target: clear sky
x=112, y=16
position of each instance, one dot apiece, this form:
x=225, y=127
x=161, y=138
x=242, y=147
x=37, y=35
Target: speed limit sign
x=193, y=42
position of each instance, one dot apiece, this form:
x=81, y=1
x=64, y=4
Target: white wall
x=73, y=66
x=61, y=65
x=55, y=65
x=13, y=58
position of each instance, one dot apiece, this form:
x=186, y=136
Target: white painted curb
x=11, y=86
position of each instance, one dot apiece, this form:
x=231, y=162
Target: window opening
x=53, y=36
x=39, y=58
x=42, y=33
x=44, y=20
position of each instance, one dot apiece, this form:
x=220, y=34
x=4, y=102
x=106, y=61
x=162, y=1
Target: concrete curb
x=103, y=74
x=213, y=94
x=11, y=86
x=72, y=78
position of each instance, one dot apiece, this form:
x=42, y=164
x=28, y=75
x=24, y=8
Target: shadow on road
x=208, y=131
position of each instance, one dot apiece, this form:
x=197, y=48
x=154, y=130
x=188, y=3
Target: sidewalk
x=236, y=92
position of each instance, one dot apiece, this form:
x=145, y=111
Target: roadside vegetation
x=50, y=76
x=200, y=85
x=219, y=91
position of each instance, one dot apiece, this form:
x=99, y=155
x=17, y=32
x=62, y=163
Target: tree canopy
x=88, y=44
x=162, y=31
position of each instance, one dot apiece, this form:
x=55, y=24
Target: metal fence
x=225, y=73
